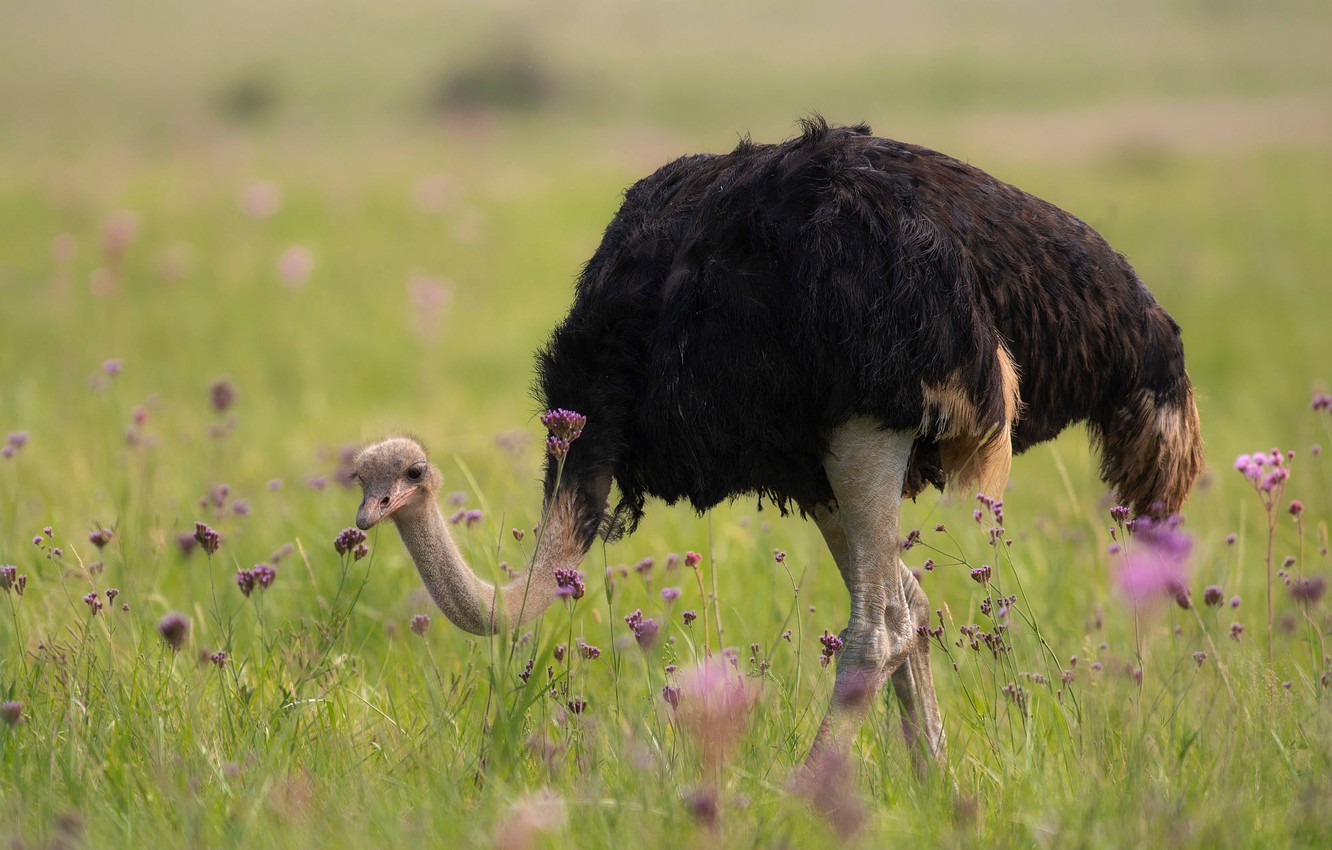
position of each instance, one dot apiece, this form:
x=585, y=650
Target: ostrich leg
x=866, y=467
x=922, y=725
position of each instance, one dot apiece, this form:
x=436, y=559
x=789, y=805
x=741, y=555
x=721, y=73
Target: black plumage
x=741, y=306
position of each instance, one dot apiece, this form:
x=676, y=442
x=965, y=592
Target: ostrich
x=833, y=323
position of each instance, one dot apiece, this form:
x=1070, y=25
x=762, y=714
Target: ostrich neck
x=471, y=603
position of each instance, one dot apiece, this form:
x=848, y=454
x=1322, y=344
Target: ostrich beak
x=377, y=505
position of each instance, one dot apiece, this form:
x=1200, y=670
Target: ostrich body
x=833, y=323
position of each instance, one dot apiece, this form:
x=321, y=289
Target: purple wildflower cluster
x=1321, y=401
x=569, y=583
x=467, y=517
x=14, y=441
x=351, y=540
x=1156, y=566
x=588, y=651
x=565, y=426
x=692, y=560
x=832, y=644
x=222, y=394
x=174, y=629
x=689, y=617
x=12, y=580
x=207, y=538
x=260, y=576
x=420, y=622
x=100, y=537
x=94, y=602
x=644, y=628
x=46, y=542
x=1266, y=471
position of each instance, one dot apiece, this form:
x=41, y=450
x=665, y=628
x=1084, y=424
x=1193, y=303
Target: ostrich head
x=394, y=474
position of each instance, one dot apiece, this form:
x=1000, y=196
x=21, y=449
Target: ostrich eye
x=415, y=473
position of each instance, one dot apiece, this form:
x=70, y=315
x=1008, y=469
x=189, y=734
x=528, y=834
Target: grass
x=332, y=723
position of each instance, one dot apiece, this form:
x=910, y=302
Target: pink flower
x=261, y=198
x=1155, y=566
x=295, y=265
x=712, y=707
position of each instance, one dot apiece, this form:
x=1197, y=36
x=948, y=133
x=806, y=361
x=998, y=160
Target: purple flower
x=1266, y=471
x=218, y=658
x=1156, y=565
x=569, y=583
x=246, y=581
x=222, y=393
x=93, y=602
x=644, y=567
x=1321, y=401
x=360, y=552
x=670, y=594
x=832, y=644
x=590, y=652
x=348, y=539
x=1120, y=514
x=644, y=628
x=1199, y=657
x=472, y=517
x=207, y=538
x=1234, y=602
x=689, y=617
x=692, y=559
x=11, y=712
x=981, y=575
x=264, y=575
x=712, y=706
x=1296, y=508
x=1236, y=630
x=17, y=439
x=111, y=594
x=1308, y=591
x=1213, y=596
x=8, y=577
x=101, y=537
x=295, y=265
x=111, y=367
x=174, y=628
x=564, y=425
x=671, y=694
x=420, y=622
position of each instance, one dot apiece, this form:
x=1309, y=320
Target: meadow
x=238, y=243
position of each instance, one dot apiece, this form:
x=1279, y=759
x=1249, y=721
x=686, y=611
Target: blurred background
x=367, y=216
